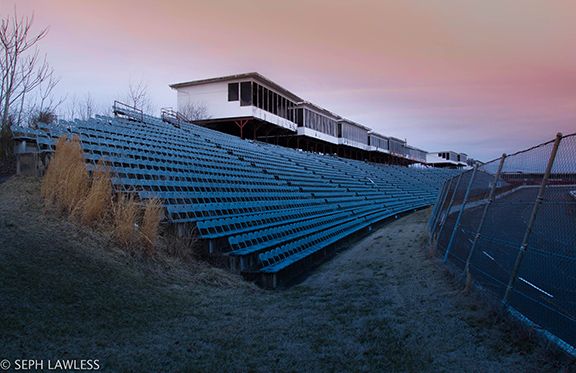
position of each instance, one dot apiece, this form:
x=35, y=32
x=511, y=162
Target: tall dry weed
x=125, y=217
x=77, y=181
x=68, y=187
x=98, y=201
x=66, y=182
x=151, y=223
x=53, y=176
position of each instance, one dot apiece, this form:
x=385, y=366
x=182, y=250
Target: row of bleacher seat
x=273, y=204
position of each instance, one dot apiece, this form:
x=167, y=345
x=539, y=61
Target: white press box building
x=251, y=106
x=447, y=159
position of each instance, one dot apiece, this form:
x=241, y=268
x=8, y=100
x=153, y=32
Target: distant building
x=447, y=159
x=473, y=162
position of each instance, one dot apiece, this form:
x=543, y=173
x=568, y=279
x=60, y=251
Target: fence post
x=460, y=213
x=443, y=223
x=439, y=204
x=537, y=204
x=484, y=213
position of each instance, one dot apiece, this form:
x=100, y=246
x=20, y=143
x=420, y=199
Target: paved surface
x=545, y=289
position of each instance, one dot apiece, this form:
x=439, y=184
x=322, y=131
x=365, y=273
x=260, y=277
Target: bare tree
x=105, y=109
x=195, y=111
x=79, y=107
x=72, y=107
x=86, y=107
x=46, y=99
x=139, y=96
x=24, y=108
x=43, y=108
x=22, y=70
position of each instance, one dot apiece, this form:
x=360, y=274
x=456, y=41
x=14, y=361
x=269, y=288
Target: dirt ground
x=380, y=305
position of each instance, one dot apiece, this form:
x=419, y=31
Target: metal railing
x=122, y=109
x=509, y=225
x=170, y=115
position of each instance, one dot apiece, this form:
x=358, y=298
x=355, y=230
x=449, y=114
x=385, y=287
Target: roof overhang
x=232, y=78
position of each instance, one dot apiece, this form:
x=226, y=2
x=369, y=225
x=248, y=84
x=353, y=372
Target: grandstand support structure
x=241, y=124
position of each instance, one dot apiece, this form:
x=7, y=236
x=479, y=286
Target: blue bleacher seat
x=274, y=204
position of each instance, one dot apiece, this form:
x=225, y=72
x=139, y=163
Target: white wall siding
x=352, y=143
x=318, y=135
x=215, y=97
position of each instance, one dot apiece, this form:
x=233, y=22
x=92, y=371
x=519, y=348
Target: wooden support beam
x=241, y=124
x=256, y=128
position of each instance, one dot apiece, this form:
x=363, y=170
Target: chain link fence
x=510, y=226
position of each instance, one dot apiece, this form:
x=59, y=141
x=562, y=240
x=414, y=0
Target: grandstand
x=252, y=106
x=268, y=210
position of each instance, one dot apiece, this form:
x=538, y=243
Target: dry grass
x=125, y=217
x=151, y=223
x=98, y=201
x=51, y=183
x=364, y=310
x=186, y=249
x=66, y=183
x=76, y=179
x=68, y=187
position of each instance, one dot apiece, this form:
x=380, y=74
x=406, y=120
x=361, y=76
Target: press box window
x=245, y=93
x=233, y=92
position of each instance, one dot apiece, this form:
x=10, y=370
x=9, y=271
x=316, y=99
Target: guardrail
x=122, y=109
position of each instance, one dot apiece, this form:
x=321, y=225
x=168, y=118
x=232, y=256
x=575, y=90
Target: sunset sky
x=480, y=77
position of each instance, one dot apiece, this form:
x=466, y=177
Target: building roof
x=354, y=123
x=318, y=109
x=229, y=78
x=376, y=134
x=262, y=79
x=397, y=139
x=415, y=148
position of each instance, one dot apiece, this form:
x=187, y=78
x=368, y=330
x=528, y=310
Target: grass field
x=380, y=305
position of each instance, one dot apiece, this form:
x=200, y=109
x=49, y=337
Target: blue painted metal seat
x=274, y=204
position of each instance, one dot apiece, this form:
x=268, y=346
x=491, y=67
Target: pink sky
x=481, y=77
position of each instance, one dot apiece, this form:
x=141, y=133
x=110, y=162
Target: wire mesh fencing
x=510, y=226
